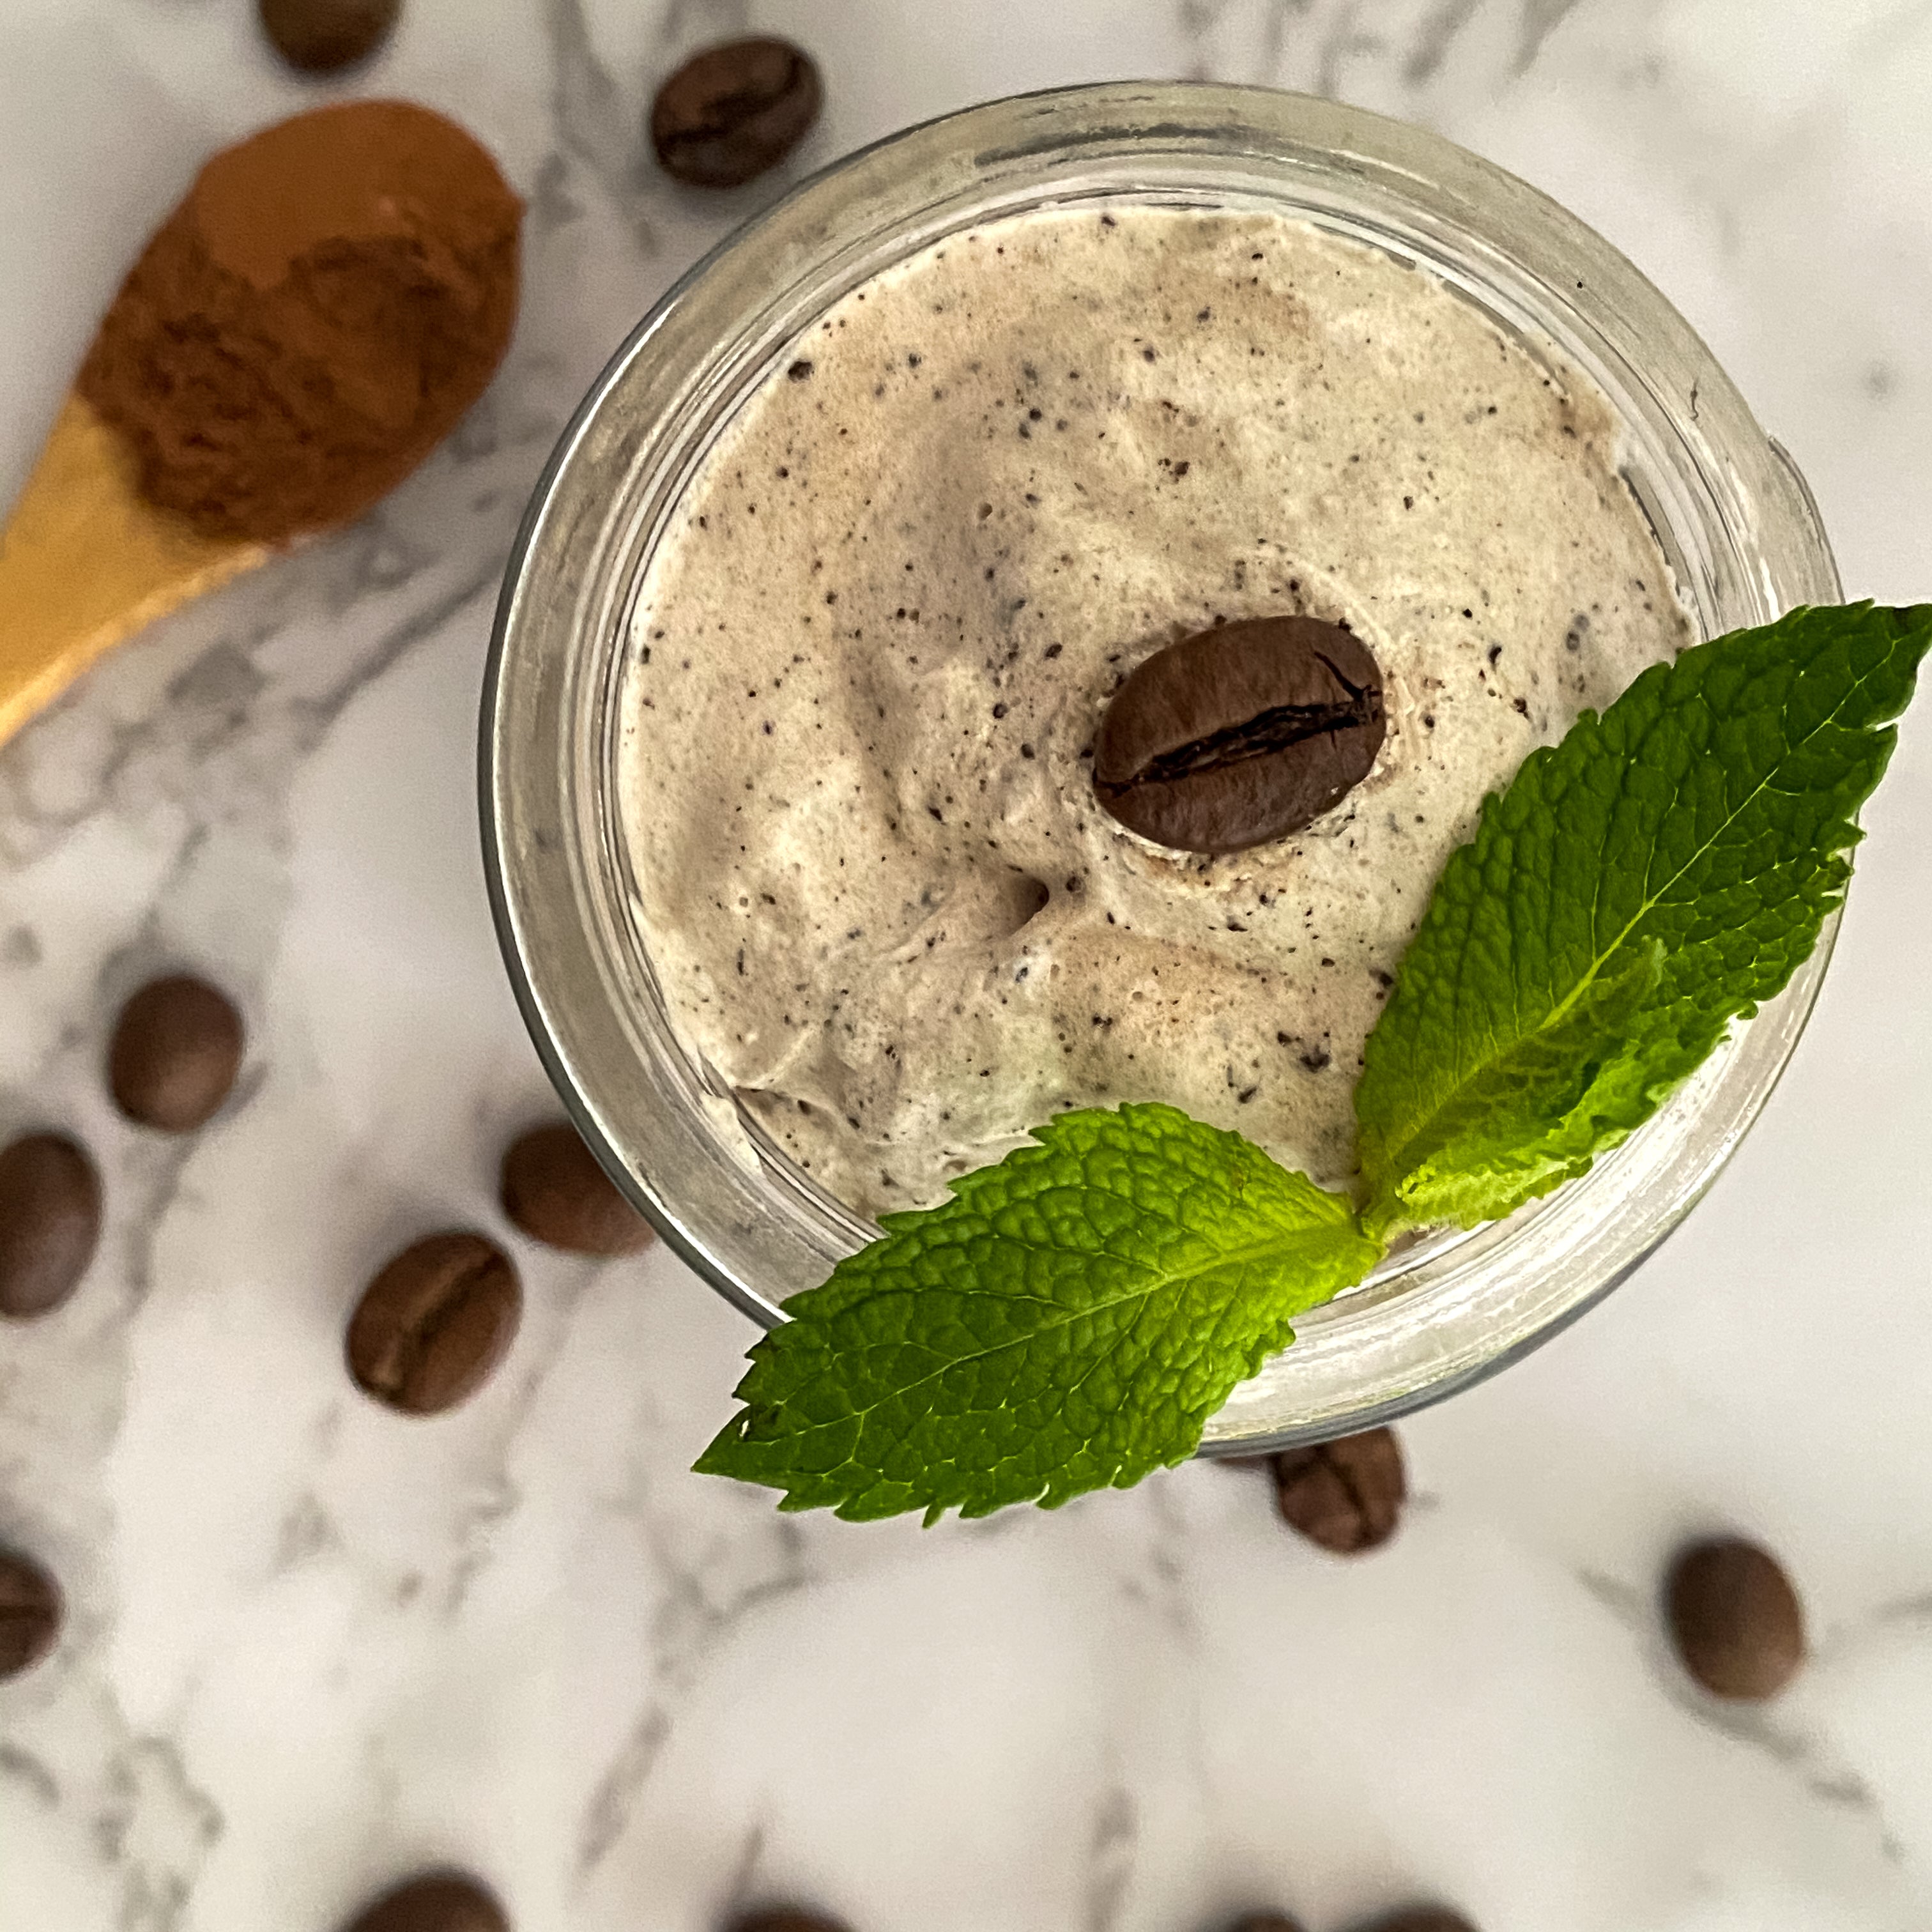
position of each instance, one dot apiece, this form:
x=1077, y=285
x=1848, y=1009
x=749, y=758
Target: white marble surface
x=313, y=1645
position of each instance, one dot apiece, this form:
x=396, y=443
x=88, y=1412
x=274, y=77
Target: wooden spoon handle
x=86, y=561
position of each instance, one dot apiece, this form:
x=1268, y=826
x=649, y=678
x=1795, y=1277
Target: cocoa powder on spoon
x=331, y=296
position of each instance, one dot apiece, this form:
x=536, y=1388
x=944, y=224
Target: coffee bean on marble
x=434, y=1323
x=555, y=1192
x=440, y=1901
x=50, y=1221
x=1421, y=1918
x=1240, y=734
x=785, y=1919
x=1346, y=1495
x=176, y=1050
x=732, y=111
x=1736, y=1620
x=30, y=1612
x=324, y=36
x=1263, y=1921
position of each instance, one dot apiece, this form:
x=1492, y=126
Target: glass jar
x=1730, y=510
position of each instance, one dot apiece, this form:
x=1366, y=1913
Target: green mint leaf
x=1662, y=872
x=1068, y=1320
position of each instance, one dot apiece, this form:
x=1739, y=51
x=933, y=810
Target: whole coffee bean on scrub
x=1240, y=735
x=785, y=1919
x=30, y=1612
x=50, y=1221
x=1421, y=1918
x=434, y=1323
x=1346, y=1495
x=732, y=111
x=1263, y=1921
x=324, y=36
x=440, y=1901
x=177, y=1048
x=555, y=1192
x=1735, y=1618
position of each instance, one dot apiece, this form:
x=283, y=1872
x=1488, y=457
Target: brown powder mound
x=332, y=296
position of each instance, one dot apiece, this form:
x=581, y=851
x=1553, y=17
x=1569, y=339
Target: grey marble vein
x=1114, y=1841
x=598, y=121
x=1541, y=19
x=1435, y=34
x=616, y=1794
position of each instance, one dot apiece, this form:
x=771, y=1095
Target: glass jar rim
x=1735, y=519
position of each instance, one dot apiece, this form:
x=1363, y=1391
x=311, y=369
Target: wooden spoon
x=86, y=561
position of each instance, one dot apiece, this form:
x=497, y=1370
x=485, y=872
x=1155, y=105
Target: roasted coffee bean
x=322, y=36
x=431, y=1327
x=50, y=1221
x=733, y=111
x=1240, y=734
x=30, y=1612
x=553, y=1189
x=1736, y=1620
x=785, y=1919
x=1421, y=1919
x=176, y=1050
x=1347, y=1495
x=1264, y=1921
x=442, y=1901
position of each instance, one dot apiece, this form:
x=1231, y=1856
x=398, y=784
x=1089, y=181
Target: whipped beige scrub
x=873, y=651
